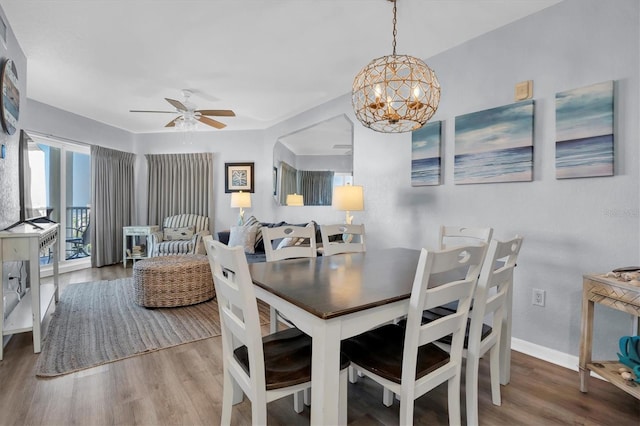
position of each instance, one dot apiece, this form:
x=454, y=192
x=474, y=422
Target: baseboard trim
x=549, y=355
x=76, y=265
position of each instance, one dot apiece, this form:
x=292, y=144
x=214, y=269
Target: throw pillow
x=243, y=236
x=296, y=241
x=252, y=221
x=182, y=233
x=289, y=242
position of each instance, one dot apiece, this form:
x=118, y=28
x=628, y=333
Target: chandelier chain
x=395, y=21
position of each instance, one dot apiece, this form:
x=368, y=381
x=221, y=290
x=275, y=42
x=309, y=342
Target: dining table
x=332, y=298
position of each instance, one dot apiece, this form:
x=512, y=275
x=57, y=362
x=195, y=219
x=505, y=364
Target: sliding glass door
x=63, y=178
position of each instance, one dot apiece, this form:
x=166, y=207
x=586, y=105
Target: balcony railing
x=77, y=237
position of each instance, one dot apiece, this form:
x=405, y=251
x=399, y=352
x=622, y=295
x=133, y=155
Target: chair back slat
x=452, y=236
x=342, y=238
x=295, y=242
x=441, y=327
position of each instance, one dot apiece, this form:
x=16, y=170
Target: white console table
x=25, y=242
x=132, y=235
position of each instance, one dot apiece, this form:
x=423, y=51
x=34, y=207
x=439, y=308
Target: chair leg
x=227, y=399
x=273, y=320
x=406, y=410
x=353, y=376
x=471, y=389
x=307, y=397
x=454, y=400
x=494, y=364
x=387, y=397
x=298, y=404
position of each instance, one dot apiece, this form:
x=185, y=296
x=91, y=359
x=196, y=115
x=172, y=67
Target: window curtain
x=288, y=182
x=316, y=187
x=112, y=203
x=180, y=184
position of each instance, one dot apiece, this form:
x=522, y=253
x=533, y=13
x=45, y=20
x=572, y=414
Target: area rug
x=99, y=322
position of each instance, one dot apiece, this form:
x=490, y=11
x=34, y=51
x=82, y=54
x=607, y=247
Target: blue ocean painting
x=495, y=145
x=425, y=155
x=584, y=132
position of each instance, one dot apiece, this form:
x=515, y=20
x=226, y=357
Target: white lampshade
x=240, y=199
x=295, y=200
x=348, y=198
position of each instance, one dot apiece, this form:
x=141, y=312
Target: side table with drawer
x=617, y=294
x=136, y=236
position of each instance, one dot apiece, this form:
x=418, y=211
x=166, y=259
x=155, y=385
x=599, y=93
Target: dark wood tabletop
x=331, y=286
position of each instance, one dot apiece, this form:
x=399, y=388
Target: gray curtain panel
x=111, y=203
x=180, y=184
x=316, y=187
x=288, y=184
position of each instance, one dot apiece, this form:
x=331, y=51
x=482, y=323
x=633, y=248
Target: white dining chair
x=405, y=360
x=451, y=236
x=288, y=242
x=334, y=241
x=484, y=328
x=265, y=369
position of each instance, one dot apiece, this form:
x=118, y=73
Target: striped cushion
x=200, y=223
x=173, y=247
x=252, y=221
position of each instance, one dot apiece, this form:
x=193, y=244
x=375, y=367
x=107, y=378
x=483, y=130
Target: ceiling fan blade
x=177, y=104
x=172, y=123
x=163, y=112
x=217, y=112
x=211, y=122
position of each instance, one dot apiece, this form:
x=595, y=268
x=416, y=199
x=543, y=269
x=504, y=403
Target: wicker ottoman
x=169, y=281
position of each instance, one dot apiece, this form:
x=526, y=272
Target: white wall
x=50, y=120
x=570, y=226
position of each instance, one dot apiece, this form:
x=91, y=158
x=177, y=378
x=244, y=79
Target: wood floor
x=183, y=386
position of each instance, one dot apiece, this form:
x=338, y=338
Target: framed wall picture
x=425, y=154
x=584, y=131
x=495, y=145
x=238, y=177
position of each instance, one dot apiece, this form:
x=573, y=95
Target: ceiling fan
x=189, y=115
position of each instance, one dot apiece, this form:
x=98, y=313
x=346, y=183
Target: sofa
x=180, y=234
x=254, y=248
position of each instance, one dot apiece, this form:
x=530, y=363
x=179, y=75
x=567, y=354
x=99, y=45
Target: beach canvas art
x=425, y=155
x=495, y=145
x=584, y=132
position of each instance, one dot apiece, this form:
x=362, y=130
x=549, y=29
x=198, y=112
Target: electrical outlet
x=538, y=297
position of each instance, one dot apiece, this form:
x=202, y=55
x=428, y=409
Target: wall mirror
x=311, y=161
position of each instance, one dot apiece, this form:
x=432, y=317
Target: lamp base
x=241, y=217
x=347, y=220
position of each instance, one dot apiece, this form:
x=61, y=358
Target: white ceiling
x=266, y=60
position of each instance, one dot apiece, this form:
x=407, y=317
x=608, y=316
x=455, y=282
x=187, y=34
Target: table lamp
x=348, y=198
x=295, y=200
x=241, y=200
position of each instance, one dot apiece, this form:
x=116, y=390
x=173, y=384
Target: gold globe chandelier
x=395, y=93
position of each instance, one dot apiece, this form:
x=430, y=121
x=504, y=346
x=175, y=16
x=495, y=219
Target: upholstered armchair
x=180, y=234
